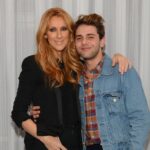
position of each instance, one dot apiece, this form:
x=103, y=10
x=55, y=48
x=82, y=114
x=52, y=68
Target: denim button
x=114, y=99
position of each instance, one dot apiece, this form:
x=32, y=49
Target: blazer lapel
x=59, y=103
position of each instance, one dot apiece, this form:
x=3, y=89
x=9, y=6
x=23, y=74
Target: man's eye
x=52, y=29
x=90, y=37
x=77, y=39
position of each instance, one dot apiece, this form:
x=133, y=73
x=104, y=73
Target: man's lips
x=85, y=48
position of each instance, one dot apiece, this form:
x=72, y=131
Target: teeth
x=85, y=48
x=58, y=43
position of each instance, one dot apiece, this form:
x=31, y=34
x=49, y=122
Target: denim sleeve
x=137, y=108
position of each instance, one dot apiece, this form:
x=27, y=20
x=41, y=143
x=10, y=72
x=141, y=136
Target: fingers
x=35, y=107
x=35, y=111
x=52, y=143
x=123, y=62
x=63, y=148
x=130, y=64
x=35, y=117
x=59, y=146
x=114, y=60
x=124, y=65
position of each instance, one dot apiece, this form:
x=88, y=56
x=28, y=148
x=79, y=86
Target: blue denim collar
x=107, y=66
x=106, y=69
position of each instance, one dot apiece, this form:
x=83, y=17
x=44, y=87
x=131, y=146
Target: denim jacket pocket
x=116, y=116
x=113, y=102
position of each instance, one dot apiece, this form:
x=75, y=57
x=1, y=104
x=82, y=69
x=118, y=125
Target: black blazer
x=32, y=89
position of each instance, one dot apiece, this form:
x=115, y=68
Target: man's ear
x=102, y=42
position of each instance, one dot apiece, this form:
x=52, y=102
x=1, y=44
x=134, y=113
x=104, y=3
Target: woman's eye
x=64, y=28
x=52, y=29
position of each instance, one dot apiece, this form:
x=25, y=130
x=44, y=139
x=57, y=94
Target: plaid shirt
x=92, y=131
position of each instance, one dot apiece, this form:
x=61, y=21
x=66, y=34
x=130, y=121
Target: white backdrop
x=128, y=32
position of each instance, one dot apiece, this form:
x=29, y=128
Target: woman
x=49, y=79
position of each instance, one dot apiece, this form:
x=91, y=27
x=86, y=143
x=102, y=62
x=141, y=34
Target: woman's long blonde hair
x=46, y=55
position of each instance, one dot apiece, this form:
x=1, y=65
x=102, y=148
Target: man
x=114, y=111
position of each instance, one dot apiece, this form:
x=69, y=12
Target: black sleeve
x=27, y=83
x=43, y=130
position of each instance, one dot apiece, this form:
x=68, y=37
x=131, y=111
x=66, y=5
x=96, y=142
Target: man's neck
x=92, y=63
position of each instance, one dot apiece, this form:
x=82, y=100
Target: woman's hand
x=52, y=143
x=123, y=62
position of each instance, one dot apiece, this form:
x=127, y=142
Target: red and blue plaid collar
x=91, y=74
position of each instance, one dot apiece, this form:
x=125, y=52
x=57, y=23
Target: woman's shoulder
x=29, y=62
x=30, y=68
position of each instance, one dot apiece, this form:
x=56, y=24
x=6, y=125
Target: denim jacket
x=121, y=108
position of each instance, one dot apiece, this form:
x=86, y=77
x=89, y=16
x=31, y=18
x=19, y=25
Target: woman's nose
x=59, y=34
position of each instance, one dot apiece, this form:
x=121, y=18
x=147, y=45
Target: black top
x=32, y=89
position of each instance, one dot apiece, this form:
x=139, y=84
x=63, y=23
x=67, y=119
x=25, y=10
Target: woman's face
x=58, y=33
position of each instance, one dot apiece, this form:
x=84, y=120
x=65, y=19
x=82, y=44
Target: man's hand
x=124, y=62
x=34, y=111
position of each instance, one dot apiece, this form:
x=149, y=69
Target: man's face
x=87, y=41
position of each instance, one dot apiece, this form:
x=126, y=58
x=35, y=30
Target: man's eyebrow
x=78, y=35
x=89, y=34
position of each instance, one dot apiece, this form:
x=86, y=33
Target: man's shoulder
x=107, y=68
x=107, y=61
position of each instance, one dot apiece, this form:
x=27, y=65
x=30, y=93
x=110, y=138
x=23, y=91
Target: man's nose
x=84, y=41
